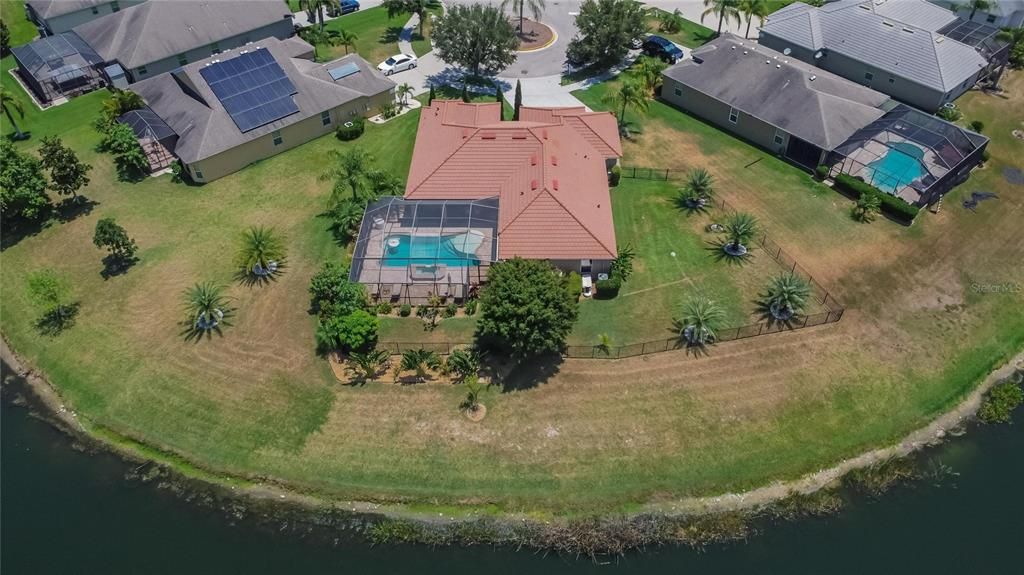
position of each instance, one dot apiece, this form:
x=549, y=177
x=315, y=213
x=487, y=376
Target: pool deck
x=873, y=150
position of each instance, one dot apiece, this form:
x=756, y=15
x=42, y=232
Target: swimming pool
x=456, y=250
x=898, y=167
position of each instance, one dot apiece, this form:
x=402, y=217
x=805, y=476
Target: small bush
x=949, y=114
x=389, y=110
x=977, y=125
x=891, y=205
x=821, y=171
x=574, y=285
x=450, y=310
x=609, y=288
x=347, y=133
x=985, y=156
x=471, y=306
x=422, y=310
x=384, y=308
x=615, y=175
x=405, y=310
x=1000, y=402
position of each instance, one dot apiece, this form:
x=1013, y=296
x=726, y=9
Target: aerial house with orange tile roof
x=481, y=190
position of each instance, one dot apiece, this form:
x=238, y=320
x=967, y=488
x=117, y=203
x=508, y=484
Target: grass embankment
x=582, y=436
x=376, y=33
x=691, y=34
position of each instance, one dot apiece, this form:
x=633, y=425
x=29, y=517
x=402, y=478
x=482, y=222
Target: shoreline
x=67, y=420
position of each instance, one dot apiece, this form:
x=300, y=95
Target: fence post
x=824, y=302
x=737, y=333
x=794, y=267
x=666, y=174
x=806, y=317
x=760, y=328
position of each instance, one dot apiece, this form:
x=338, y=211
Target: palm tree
x=318, y=37
x=365, y=366
x=787, y=296
x=315, y=9
x=867, y=207
x=1013, y=36
x=419, y=360
x=670, y=22
x=261, y=252
x=631, y=94
x=699, y=187
x=463, y=363
x=536, y=8
x=346, y=39
x=740, y=229
x=648, y=70
x=976, y=5
x=351, y=170
x=420, y=8
x=346, y=217
x=604, y=343
x=8, y=102
x=206, y=307
x=384, y=183
x=122, y=102
x=751, y=8
x=701, y=320
x=473, y=389
x=403, y=92
x=724, y=9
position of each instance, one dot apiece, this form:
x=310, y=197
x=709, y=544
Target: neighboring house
x=57, y=16
x=482, y=190
x=248, y=104
x=913, y=50
x=159, y=36
x=813, y=117
x=1001, y=13
x=58, y=67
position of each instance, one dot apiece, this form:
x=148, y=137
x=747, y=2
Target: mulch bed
x=534, y=35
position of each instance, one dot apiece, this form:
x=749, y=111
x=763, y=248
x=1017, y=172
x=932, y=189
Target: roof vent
x=554, y=184
x=533, y=184
x=910, y=30
x=777, y=66
x=744, y=52
x=733, y=47
x=865, y=7
x=465, y=133
x=885, y=23
x=533, y=159
x=813, y=77
x=544, y=133
x=488, y=136
x=939, y=38
x=554, y=160
x=767, y=61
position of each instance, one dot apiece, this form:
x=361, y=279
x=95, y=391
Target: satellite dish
x=787, y=51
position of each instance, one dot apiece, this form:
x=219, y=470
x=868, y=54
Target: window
x=141, y=71
x=277, y=137
x=678, y=91
x=215, y=48
x=115, y=7
x=869, y=76
x=198, y=173
x=325, y=117
x=991, y=18
x=779, y=138
x=734, y=115
x=95, y=9
x=182, y=59
x=892, y=80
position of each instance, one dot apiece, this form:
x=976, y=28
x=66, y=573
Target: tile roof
x=812, y=104
x=547, y=169
x=899, y=36
x=187, y=104
x=152, y=31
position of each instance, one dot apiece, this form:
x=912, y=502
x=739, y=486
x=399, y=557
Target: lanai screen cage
x=59, y=66
x=156, y=138
x=909, y=154
x=409, y=250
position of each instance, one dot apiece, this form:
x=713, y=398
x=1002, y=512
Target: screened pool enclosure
x=156, y=138
x=61, y=66
x=409, y=250
x=909, y=154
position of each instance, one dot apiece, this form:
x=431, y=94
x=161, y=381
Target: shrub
x=615, y=175
x=977, y=125
x=383, y=308
x=985, y=155
x=609, y=288
x=450, y=310
x=405, y=310
x=471, y=306
x=949, y=114
x=821, y=171
x=332, y=294
x=574, y=285
x=422, y=310
x=891, y=205
x=389, y=110
x=348, y=132
x=1000, y=402
x=353, y=332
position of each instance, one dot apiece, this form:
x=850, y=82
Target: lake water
x=64, y=511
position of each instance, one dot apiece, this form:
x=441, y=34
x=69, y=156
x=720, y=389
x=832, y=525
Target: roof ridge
x=596, y=133
x=938, y=62
x=444, y=161
x=144, y=9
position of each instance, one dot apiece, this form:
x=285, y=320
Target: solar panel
x=253, y=89
x=343, y=71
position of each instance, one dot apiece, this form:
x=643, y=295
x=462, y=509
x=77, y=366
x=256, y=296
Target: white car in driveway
x=397, y=63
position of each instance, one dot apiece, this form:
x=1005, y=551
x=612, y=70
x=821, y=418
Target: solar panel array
x=253, y=89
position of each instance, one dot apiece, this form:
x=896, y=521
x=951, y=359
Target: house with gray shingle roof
x=227, y=111
x=57, y=16
x=912, y=50
x=812, y=117
x=159, y=36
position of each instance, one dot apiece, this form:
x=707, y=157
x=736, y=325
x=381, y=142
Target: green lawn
x=692, y=34
x=377, y=35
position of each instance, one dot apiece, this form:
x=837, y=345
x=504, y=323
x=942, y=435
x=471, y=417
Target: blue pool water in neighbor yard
x=427, y=250
x=898, y=167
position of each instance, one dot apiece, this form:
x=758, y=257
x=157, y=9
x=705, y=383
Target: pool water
x=897, y=168
x=427, y=250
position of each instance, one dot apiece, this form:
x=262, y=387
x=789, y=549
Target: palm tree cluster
x=420, y=361
x=364, y=366
x=740, y=229
x=786, y=296
x=699, y=189
x=724, y=9
x=630, y=94
x=206, y=308
x=867, y=207
x=700, y=322
x=320, y=37
x=261, y=253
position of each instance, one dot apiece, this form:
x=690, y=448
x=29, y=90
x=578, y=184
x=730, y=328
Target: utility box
x=115, y=73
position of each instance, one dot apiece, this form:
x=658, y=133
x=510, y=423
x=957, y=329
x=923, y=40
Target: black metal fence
x=787, y=262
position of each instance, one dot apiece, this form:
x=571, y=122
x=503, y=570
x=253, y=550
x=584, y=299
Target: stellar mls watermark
x=1005, y=287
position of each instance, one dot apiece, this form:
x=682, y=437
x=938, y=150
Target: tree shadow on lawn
x=56, y=321
x=533, y=373
x=114, y=266
x=63, y=212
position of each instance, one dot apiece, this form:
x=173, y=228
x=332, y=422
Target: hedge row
x=609, y=288
x=891, y=205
